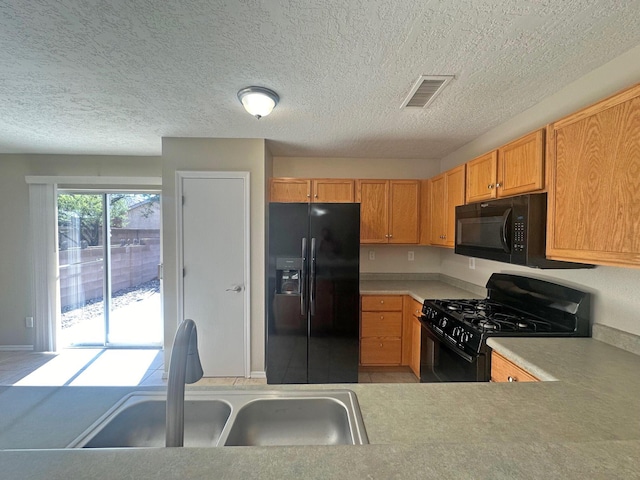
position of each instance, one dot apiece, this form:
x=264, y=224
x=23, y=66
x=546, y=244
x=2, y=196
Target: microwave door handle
x=503, y=230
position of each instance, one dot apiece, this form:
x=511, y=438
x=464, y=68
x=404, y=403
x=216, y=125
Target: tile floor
x=128, y=367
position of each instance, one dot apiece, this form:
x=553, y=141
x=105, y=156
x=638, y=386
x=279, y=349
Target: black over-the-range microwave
x=511, y=230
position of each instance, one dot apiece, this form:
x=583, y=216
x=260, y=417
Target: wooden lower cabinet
x=416, y=333
x=381, y=330
x=380, y=351
x=503, y=370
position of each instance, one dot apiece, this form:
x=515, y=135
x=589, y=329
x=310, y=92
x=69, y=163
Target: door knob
x=235, y=288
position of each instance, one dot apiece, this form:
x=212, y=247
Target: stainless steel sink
x=291, y=421
x=233, y=418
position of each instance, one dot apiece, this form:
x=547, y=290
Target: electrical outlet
x=28, y=322
x=410, y=256
x=372, y=254
x=472, y=263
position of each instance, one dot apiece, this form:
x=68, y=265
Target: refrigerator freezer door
x=286, y=346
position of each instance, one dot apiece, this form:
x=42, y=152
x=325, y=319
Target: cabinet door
x=286, y=190
x=437, y=192
x=416, y=332
x=373, y=196
x=454, y=196
x=333, y=191
x=404, y=211
x=481, y=177
x=594, y=192
x=521, y=165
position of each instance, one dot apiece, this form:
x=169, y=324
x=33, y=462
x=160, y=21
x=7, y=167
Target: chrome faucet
x=184, y=368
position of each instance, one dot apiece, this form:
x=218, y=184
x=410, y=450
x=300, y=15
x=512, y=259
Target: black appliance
x=455, y=332
x=313, y=293
x=511, y=230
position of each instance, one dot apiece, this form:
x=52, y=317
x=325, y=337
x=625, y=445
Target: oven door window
x=439, y=363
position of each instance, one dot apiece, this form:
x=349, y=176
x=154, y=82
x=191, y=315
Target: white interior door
x=215, y=263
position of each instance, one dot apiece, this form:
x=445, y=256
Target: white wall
x=16, y=295
x=616, y=290
x=394, y=259
x=207, y=154
x=321, y=167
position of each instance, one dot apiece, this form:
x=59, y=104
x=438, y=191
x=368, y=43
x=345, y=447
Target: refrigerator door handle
x=312, y=281
x=302, y=282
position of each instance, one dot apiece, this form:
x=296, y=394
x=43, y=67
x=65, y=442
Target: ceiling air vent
x=425, y=90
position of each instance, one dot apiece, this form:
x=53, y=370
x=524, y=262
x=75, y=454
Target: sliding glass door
x=109, y=252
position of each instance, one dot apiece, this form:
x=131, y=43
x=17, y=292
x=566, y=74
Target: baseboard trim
x=16, y=348
x=258, y=374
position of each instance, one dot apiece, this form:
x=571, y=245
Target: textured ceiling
x=113, y=77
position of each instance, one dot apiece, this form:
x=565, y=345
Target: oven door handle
x=445, y=343
x=503, y=230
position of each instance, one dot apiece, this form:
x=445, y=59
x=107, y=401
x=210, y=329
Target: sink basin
x=143, y=425
x=291, y=421
x=233, y=418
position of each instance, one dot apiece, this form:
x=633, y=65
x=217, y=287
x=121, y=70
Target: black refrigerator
x=313, y=293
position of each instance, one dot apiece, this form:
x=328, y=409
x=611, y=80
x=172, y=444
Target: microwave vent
x=425, y=90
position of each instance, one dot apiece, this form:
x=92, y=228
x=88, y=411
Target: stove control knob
x=457, y=332
x=443, y=322
x=466, y=336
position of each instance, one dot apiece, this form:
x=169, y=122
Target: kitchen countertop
x=418, y=289
x=585, y=424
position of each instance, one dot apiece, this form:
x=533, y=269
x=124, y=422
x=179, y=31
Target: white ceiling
x=113, y=77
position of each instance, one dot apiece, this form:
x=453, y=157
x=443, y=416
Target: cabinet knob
x=498, y=185
x=381, y=301
x=490, y=186
x=381, y=317
x=316, y=196
x=380, y=345
x=308, y=196
x=390, y=236
x=511, y=379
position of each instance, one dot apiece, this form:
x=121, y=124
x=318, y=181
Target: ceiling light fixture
x=258, y=101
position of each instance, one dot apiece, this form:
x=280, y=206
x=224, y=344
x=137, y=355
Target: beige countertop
x=419, y=289
x=585, y=424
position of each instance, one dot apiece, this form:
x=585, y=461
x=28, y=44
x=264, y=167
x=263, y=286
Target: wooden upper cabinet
x=325, y=190
x=373, y=196
x=290, y=190
x=513, y=169
x=481, y=177
x=333, y=190
x=594, y=187
x=521, y=165
x=404, y=211
x=446, y=191
x=389, y=211
x=438, y=222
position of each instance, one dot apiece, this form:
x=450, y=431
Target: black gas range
x=454, y=334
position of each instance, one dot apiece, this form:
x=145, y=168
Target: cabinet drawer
x=503, y=370
x=378, y=303
x=380, y=351
x=381, y=324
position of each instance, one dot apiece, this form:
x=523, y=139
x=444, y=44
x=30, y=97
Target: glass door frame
x=106, y=250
